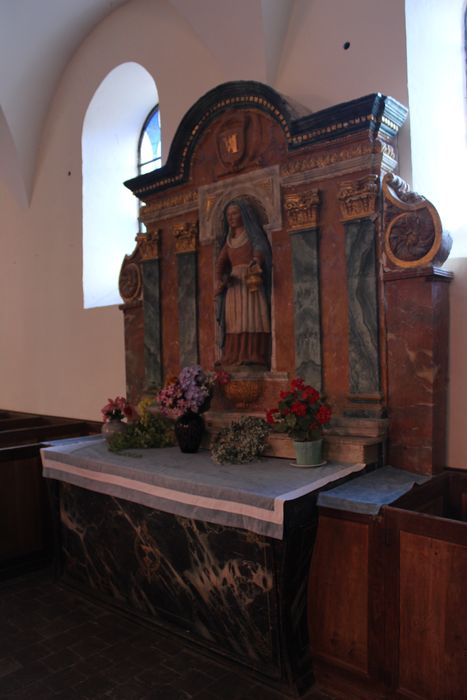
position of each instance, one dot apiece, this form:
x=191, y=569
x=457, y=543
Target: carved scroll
x=413, y=236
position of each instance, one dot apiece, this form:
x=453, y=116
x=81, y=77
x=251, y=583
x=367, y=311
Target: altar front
x=218, y=554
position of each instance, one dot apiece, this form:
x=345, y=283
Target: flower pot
x=308, y=454
x=189, y=430
x=112, y=426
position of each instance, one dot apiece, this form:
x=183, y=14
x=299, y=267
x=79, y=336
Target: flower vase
x=308, y=453
x=112, y=426
x=189, y=430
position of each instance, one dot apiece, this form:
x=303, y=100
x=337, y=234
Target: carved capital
x=357, y=198
x=302, y=209
x=148, y=244
x=186, y=237
x=413, y=236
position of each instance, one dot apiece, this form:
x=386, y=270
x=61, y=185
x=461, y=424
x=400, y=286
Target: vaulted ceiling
x=38, y=39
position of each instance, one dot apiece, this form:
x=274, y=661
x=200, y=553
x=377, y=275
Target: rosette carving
x=129, y=283
x=413, y=236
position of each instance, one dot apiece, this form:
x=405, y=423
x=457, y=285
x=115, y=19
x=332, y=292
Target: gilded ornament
x=302, y=209
x=148, y=244
x=357, y=198
x=176, y=200
x=323, y=160
x=186, y=237
x=413, y=235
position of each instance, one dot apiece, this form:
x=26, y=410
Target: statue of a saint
x=243, y=292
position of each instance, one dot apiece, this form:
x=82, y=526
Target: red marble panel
x=417, y=318
x=283, y=312
x=334, y=301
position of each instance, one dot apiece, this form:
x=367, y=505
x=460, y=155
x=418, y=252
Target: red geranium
x=301, y=412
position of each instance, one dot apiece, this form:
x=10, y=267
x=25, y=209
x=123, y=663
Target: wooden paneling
x=432, y=611
x=25, y=513
x=396, y=583
x=21, y=517
x=338, y=618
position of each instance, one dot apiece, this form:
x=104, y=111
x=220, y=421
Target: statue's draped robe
x=247, y=324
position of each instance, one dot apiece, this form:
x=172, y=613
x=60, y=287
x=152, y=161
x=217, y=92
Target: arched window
x=111, y=145
x=149, y=144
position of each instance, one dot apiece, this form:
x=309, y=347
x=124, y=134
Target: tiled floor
x=54, y=643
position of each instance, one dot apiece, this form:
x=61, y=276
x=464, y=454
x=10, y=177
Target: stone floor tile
x=56, y=644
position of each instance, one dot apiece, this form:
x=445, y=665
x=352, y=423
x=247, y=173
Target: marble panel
x=364, y=373
x=234, y=592
x=134, y=350
x=187, y=308
x=214, y=583
x=417, y=317
x=152, y=324
x=306, y=294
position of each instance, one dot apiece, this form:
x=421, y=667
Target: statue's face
x=234, y=216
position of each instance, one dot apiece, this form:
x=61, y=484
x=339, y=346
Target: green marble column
x=305, y=265
x=188, y=308
x=152, y=324
x=364, y=373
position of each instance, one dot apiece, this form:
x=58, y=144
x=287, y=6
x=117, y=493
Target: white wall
x=56, y=357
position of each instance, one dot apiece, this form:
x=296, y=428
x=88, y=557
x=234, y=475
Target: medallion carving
x=357, y=198
x=186, y=237
x=129, y=283
x=302, y=209
x=413, y=235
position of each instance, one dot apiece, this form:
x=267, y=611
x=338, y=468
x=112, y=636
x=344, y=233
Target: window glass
x=149, y=152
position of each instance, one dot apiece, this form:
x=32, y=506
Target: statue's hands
x=255, y=266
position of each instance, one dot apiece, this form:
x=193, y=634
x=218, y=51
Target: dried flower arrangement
x=243, y=441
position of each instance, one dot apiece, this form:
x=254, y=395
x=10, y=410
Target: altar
x=276, y=244
x=216, y=553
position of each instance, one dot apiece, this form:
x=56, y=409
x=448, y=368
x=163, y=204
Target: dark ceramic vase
x=189, y=430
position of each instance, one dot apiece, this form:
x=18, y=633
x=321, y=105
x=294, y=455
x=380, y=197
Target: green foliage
x=244, y=441
x=149, y=431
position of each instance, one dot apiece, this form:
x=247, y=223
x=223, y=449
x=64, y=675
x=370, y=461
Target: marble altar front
x=217, y=554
